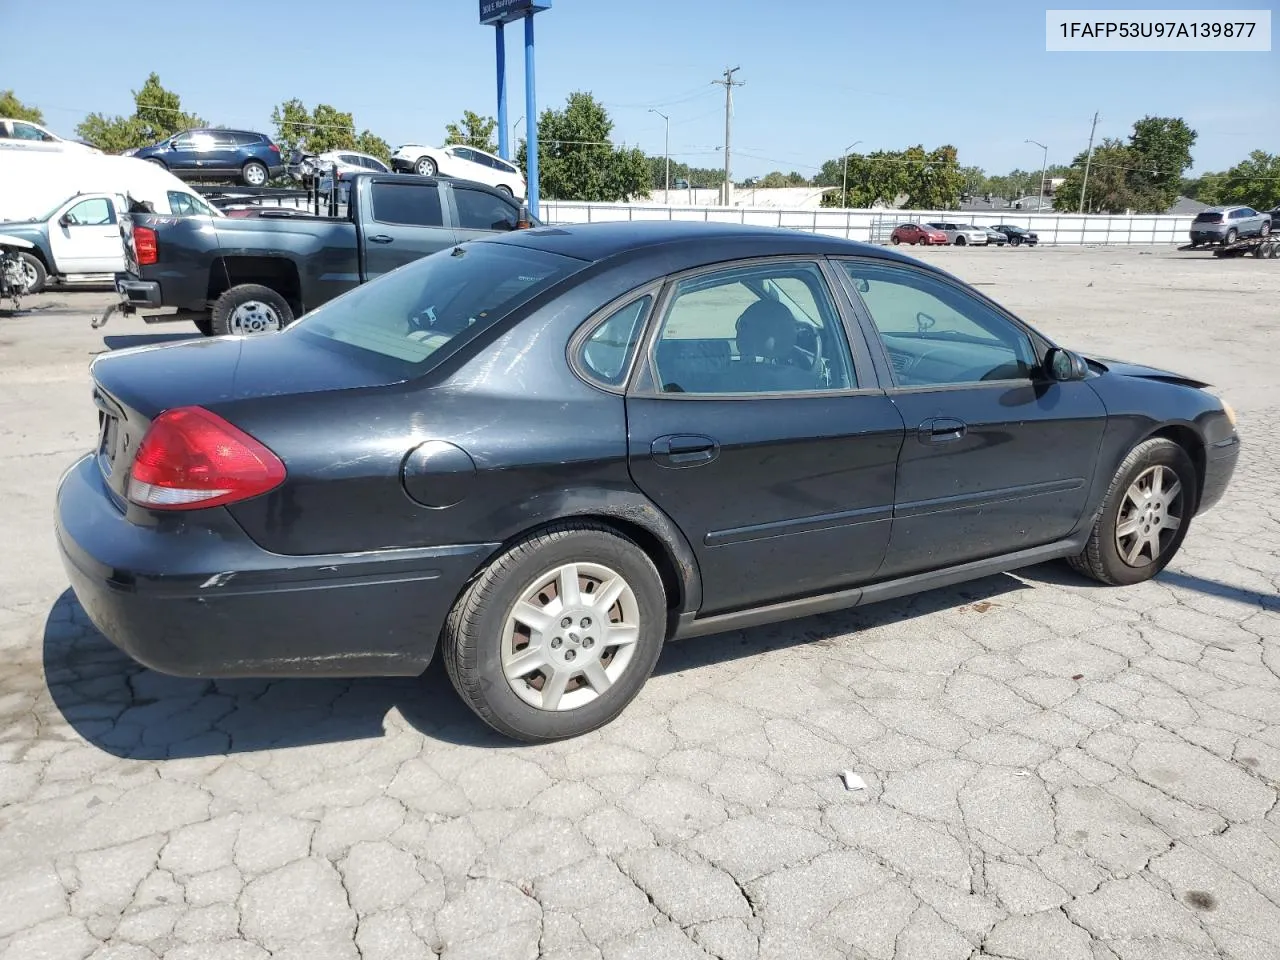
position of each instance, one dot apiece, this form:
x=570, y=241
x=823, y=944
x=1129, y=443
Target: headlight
x=1230, y=412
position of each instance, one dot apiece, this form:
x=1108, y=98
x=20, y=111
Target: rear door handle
x=941, y=430
x=684, y=450
x=380, y=238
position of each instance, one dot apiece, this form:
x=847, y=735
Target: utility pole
x=728, y=83
x=666, y=151
x=844, y=189
x=1044, y=165
x=1088, y=160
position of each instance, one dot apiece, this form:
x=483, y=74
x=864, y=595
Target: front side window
x=185, y=205
x=26, y=131
x=605, y=354
x=764, y=328
x=91, y=213
x=411, y=204
x=409, y=315
x=478, y=210
x=936, y=334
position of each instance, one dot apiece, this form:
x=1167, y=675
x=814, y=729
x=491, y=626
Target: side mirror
x=64, y=221
x=1063, y=365
x=863, y=285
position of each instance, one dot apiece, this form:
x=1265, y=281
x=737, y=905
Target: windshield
x=410, y=314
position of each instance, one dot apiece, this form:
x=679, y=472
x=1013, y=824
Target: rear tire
x=960, y=241
x=1230, y=237
x=1125, y=506
x=250, y=308
x=483, y=643
x=1015, y=241
x=1266, y=230
x=503, y=188
x=34, y=272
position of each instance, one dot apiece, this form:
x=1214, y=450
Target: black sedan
x=549, y=452
x=1017, y=235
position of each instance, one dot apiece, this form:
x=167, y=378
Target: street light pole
x=1044, y=165
x=844, y=189
x=666, y=151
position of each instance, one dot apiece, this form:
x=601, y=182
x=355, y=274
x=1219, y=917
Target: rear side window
x=409, y=315
x=605, y=354
x=412, y=204
x=185, y=205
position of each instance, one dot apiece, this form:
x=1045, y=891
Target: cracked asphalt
x=1054, y=770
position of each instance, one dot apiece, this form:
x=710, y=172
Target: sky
x=819, y=74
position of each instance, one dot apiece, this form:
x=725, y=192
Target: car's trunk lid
x=132, y=387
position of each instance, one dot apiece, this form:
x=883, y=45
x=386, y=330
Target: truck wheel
x=33, y=272
x=426, y=167
x=250, y=308
x=255, y=174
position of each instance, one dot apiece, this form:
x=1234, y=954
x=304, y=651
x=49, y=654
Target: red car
x=915, y=233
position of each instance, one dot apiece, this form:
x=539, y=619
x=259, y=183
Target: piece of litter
x=1022, y=773
x=1078, y=676
x=852, y=781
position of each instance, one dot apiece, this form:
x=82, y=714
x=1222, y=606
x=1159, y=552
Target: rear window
x=1209, y=218
x=412, y=313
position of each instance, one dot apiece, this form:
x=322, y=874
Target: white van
x=69, y=206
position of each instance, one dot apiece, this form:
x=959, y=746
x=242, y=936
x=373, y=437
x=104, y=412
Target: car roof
x=595, y=242
x=1226, y=208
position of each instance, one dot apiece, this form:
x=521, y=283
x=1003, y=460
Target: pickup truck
x=245, y=275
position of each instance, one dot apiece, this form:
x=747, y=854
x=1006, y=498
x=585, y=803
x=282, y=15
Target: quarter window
x=605, y=355
x=766, y=328
x=936, y=334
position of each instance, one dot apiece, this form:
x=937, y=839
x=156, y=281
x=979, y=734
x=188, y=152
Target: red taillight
x=275, y=148
x=145, y=245
x=191, y=458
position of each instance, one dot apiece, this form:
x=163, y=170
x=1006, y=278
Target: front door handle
x=684, y=450
x=941, y=430
x=380, y=238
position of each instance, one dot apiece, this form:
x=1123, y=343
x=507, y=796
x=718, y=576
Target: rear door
x=997, y=457
x=753, y=424
x=85, y=237
x=400, y=222
x=479, y=213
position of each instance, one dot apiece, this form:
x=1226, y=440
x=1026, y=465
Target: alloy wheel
x=253, y=316
x=1150, y=514
x=570, y=636
x=29, y=276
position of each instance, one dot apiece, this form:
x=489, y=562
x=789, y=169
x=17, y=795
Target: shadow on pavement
x=133, y=712
x=1061, y=575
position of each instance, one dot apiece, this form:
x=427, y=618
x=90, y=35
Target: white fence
x=874, y=226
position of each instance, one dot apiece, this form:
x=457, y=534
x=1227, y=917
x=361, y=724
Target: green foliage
x=322, y=129
x=1253, y=182
x=1111, y=188
x=1144, y=175
x=157, y=115
x=707, y=177
x=474, y=131
x=777, y=179
x=975, y=181
x=11, y=108
x=577, y=160
x=913, y=178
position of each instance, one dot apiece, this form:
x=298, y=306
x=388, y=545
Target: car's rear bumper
x=1208, y=236
x=140, y=293
x=401, y=165
x=1220, y=465
x=204, y=600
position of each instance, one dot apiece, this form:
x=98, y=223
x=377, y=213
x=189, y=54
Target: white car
x=465, y=163
x=347, y=161
x=25, y=135
x=961, y=234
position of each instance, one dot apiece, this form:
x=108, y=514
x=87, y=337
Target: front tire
x=1144, y=516
x=425, y=167
x=503, y=188
x=255, y=174
x=33, y=273
x=961, y=241
x=250, y=308
x=558, y=634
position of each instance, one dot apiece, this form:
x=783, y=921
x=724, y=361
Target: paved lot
x=1053, y=769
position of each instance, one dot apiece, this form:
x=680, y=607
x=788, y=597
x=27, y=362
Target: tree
x=1111, y=189
x=14, y=109
x=913, y=178
x=322, y=129
x=474, y=131
x=1253, y=182
x=577, y=160
x=975, y=181
x=773, y=180
x=1162, y=149
x=157, y=115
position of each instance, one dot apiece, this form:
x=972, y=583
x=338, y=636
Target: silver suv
x=1228, y=224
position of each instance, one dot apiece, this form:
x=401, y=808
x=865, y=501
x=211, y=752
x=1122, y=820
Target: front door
x=748, y=427
x=997, y=458
x=478, y=213
x=405, y=223
x=85, y=237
